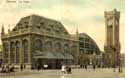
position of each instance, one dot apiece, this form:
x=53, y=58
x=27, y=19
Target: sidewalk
x=76, y=73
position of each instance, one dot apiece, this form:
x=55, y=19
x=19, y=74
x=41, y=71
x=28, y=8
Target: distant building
x=87, y=45
x=87, y=49
x=37, y=40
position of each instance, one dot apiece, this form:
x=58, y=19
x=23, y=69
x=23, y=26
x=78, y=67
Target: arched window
x=6, y=52
x=66, y=48
x=48, y=46
x=73, y=49
x=58, y=47
x=17, y=52
x=25, y=49
x=12, y=52
x=38, y=45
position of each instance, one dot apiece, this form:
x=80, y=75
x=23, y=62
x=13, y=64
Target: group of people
x=7, y=69
x=22, y=67
x=45, y=66
x=10, y=68
x=66, y=69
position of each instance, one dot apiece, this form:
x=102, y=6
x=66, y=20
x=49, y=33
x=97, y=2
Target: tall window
x=38, y=45
x=6, y=50
x=17, y=52
x=25, y=49
x=73, y=49
x=58, y=47
x=12, y=52
x=66, y=48
x=48, y=46
x=87, y=45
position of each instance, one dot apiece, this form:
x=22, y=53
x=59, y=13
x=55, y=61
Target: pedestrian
x=85, y=65
x=0, y=69
x=24, y=66
x=3, y=69
x=7, y=69
x=45, y=66
x=38, y=67
x=120, y=64
x=63, y=69
x=67, y=69
x=21, y=67
x=94, y=67
x=94, y=63
x=12, y=69
x=70, y=70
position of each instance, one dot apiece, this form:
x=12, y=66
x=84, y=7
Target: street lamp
x=114, y=61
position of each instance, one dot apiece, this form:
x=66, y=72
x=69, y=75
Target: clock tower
x=112, y=43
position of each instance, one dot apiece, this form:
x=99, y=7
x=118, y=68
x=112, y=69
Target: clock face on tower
x=110, y=22
x=116, y=22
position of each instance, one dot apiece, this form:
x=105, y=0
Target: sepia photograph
x=62, y=38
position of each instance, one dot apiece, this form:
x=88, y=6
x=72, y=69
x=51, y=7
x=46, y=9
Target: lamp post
x=114, y=61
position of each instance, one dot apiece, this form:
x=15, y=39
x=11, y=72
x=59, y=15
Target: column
x=43, y=43
x=3, y=56
x=21, y=52
x=9, y=52
x=29, y=49
x=3, y=53
x=15, y=52
x=77, y=53
x=53, y=45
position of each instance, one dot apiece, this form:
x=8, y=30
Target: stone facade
x=112, y=43
x=37, y=40
x=34, y=36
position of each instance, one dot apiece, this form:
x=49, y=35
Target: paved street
x=76, y=73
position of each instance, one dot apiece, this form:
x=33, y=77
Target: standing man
x=63, y=69
x=120, y=60
x=38, y=67
x=94, y=64
x=21, y=67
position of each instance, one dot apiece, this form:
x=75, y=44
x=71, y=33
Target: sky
x=85, y=15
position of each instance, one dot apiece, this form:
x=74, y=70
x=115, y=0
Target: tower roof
x=113, y=12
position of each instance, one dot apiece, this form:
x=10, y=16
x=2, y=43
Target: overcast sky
x=86, y=15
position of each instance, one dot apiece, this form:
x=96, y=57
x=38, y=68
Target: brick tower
x=112, y=43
